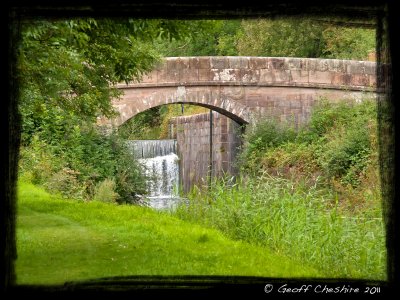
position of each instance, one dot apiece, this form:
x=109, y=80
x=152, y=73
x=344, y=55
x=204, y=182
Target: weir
x=161, y=162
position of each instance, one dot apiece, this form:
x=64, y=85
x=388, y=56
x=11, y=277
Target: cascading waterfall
x=161, y=162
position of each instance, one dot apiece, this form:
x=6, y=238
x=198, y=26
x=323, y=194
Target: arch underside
x=136, y=101
x=222, y=111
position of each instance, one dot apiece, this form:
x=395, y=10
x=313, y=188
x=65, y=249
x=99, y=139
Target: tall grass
x=300, y=222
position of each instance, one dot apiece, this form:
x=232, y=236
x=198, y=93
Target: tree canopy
x=67, y=71
x=286, y=37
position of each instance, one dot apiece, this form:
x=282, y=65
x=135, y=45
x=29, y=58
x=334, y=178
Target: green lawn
x=62, y=240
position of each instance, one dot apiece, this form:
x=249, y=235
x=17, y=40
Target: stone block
x=356, y=67
x=162, y=76
x=359, y=80
x=194, y=62
x=219, y=62
x=338, y=65
x=149, y=78
x=319, y=77
x=249, y=75
x=372, y=81
x=370, y=68
x=232, y=93
x=339, y=79
x=188, y=75
x=172, y=75
x=224, y=137
x=312, y=64
x=238, y=62
x=205, y=75
x=171, y=64
x=204, y=63
x=299, y=76
x=293, y=63
x=274, y=76
x=182, y=63
x=225, y=74
x=275, y=63
x=258, y=63
x=295, y=104
x=322, y=65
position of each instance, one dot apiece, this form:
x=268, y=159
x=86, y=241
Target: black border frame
x=352, y=12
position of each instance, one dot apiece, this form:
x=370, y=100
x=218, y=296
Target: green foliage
x=261, y=136
x=345, y=138
x=105, y=191
x=67, y=71
x=71, y=66
x=296, y=220
x=348, y=43
x=346, y=156
x=207, y=38
x=299, y=37
x=74, y=165
x=282, y=37
x=65, y=181
x=37, y=162
x=145, y=125
x=338, y=143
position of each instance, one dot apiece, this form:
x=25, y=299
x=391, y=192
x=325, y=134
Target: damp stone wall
x=193, y=144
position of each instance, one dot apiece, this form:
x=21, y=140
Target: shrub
x=325, y=115
x=73, y=163
x=345, y=149
x=105, y=191
x=66, y=183
x=37, y=162
x=263, y=135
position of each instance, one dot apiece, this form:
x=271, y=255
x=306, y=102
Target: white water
x=164, y=172
x=161, y=163
x=152, y=148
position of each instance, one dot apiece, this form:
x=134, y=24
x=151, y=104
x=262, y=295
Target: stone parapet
x=262, y=71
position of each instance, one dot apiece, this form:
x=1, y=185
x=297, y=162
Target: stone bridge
x=245, y=88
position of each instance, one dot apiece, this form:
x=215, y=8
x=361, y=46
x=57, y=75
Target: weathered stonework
x=245, y=88
x=193, y=139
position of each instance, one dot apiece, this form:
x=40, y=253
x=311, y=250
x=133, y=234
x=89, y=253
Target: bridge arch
x=212, y=98
x=245, y=88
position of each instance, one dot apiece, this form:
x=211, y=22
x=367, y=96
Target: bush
x=75, y=163
x=337, y=142
x=345, y=155
x=37, y=162
x=66, y=183
x=105, y=191
x=345, y=148
x=263, y=135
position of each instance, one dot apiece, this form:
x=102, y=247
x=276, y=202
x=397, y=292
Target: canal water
x=162, y=167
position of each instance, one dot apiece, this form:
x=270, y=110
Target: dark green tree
x=67, y=74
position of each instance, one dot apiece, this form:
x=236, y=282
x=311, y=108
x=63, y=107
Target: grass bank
x=62, y=240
